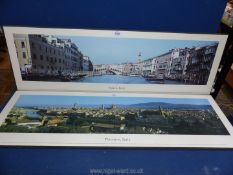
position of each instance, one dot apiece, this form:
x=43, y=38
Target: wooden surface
x=7, y=81
x=229, y=78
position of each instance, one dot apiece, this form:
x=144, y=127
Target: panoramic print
x=114, y=60
x=112, y=115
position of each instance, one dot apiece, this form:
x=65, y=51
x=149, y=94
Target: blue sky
x=102, y=50
x=45, y=100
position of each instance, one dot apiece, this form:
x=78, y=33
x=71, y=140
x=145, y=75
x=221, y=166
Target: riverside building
x=49, y=55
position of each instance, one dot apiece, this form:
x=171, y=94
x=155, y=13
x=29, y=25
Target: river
x=120, y=79
x=31, y=113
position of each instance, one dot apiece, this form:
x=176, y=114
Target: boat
x=154, y=78
x=80, y=75
x=65, y=78
x=134, y=75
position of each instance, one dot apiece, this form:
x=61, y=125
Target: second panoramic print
x=112, y=115
x=88, y=59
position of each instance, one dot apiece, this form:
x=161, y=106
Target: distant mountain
x=168, y=105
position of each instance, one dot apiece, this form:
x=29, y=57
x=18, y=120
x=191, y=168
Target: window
x=33, y=45
x=41, y=57
x=24, y=55
x=22, y=44
x=59, y=60
x=54, y=51
x=34, y=66
x=47, y=58
x=46, y=49
x=34, y=56
x=42, y=67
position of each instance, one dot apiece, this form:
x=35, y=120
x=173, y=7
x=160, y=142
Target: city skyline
x=104, y=50
x=138, y=115
x=49, y=100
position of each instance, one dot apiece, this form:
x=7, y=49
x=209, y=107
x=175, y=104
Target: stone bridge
x=108, y=70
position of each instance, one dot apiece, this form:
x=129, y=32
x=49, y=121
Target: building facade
x=23, y=51
x=179, y=61
x=46, y=58
x=147, y=66
x=199, y=63
x=162, y=65
x=49, y=55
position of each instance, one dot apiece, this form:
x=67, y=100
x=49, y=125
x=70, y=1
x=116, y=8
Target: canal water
x=32, y=113
x=120, y=79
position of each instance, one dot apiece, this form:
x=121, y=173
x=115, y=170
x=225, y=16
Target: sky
x=46, y=100
x=103, y=50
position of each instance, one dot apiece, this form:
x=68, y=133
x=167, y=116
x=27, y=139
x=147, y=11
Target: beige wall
x=23, y=53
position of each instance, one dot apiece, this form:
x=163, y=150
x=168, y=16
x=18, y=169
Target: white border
x=100, y=87
x=134, y=140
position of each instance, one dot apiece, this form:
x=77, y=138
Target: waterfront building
x=75, y=56
x=48, y=55
x=137, y=68
x=23, y=52
x=162, y=65
x=200, y=63
x=46, y=58
x=147, y=66
x=127, y=68
x=179, y=63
